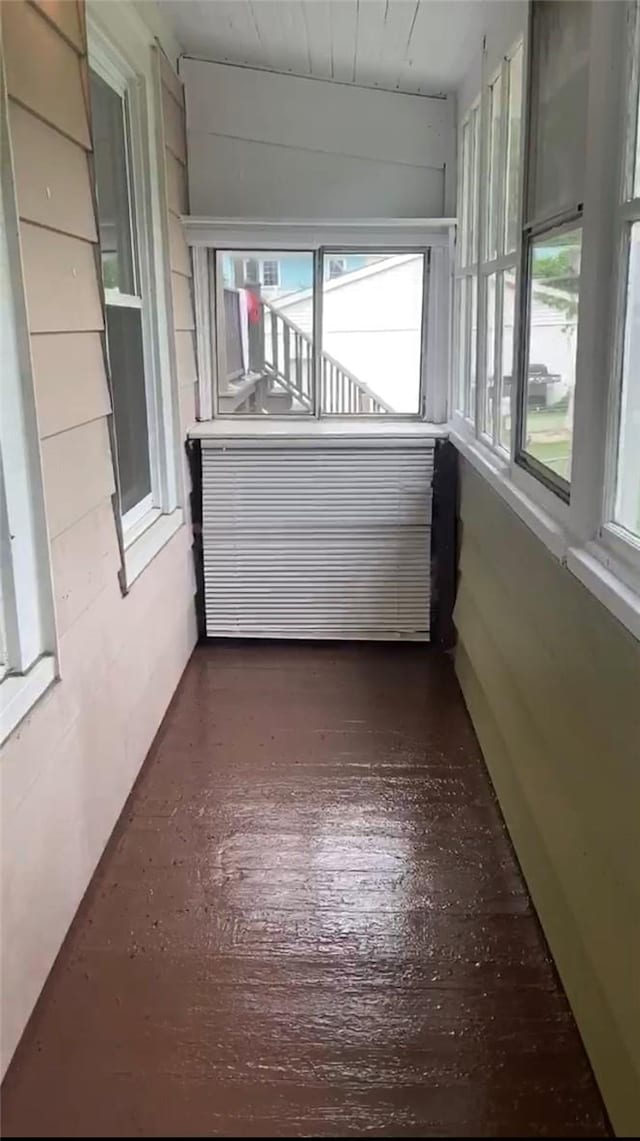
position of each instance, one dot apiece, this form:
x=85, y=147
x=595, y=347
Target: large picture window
x=320, y=332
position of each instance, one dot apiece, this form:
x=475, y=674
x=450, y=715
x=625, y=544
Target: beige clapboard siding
x=174, y=126
x=186, y=357
x=182, y=305
x=187, y=407
x=83, y=559
x=65, y=15
x=170, y=80
x=60, y=281
x=52, y=176
x=70, y=380
x=176, y=184
x=552, y=682
x=78, y=473
x=178, y=249
x=43, y=70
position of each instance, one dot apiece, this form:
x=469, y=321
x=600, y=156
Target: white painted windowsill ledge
x=591, y=563
x=19, y=693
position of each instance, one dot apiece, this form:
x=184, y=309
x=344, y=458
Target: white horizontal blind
x=317, y=543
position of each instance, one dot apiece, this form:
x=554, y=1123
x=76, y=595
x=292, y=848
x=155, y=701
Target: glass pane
x=126, y=365
x=514, y=128
x=627, y=508
x=560, y=67
x=494, y=182
x=551, y=365
x=475, y=178
x=461, y=342
x=371, y=335
x=465, y=189
x=490, y=354
x=636, y=180
x=471, y=402
x=265, y=325
x=508, y=344
x=112, y=186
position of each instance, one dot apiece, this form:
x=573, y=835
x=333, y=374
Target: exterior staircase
x=279, y=377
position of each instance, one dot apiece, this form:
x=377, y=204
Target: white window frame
x=270, y=284
x=26, y=591
x=121, y=51
x=620, y=543
x=330, y=237
x=467, y=263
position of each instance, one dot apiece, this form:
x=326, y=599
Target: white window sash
x=121, y=51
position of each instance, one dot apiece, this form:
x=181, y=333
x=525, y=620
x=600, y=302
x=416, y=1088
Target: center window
x=308, y=333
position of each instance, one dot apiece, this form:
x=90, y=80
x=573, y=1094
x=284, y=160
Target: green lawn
x=549, y=439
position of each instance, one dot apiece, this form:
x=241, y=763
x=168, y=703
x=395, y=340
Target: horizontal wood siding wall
x=175, y=157
x=552, y=682
x=68, y=768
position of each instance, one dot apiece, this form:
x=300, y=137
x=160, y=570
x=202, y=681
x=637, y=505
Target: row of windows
x=518, y=274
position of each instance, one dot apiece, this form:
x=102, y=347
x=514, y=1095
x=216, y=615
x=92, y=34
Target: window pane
x=627, y=508
x=461, y=342
x=371, y=335
x=265, y=350
x=113, y=189
x=126, y=365
x=514, y=127
x=553, y=327
x=471, y=394
x=508, y=319
x=494, y=182
x=560, y=65
x=475, y=179
x=465, y=187
x=490, y=353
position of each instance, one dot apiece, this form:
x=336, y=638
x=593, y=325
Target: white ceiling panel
x=417, y=46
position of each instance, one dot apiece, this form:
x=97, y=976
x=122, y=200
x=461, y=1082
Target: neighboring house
x=372, y=317
x=280, y=276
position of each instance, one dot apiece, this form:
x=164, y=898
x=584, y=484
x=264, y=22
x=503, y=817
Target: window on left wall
x=27, y=634
x=133, y=260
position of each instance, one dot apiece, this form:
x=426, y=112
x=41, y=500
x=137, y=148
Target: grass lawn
x=549, y=439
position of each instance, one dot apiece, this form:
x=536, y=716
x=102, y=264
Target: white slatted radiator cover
x=317, y=542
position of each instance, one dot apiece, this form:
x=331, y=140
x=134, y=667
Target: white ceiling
x=417, y=46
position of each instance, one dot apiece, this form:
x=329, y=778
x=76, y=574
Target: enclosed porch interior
x=320, y=567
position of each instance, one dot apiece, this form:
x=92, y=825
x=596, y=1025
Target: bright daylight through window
x=626, y=511
x=269, y=361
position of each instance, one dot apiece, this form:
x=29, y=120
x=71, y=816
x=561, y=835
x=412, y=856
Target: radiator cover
x=323, y=541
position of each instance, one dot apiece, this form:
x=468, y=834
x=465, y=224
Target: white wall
x=273, y=146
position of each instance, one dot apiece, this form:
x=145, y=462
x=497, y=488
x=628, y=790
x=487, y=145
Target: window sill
x=19, y=693
x=497, y=471
x=247, y=428
x=141, y=550
x=592, y=564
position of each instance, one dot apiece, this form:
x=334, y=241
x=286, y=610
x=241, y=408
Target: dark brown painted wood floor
x=309, y=920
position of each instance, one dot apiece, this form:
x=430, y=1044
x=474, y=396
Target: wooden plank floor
x=309, y=920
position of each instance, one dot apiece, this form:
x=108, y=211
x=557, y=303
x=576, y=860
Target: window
x=486, y=286
x=27, y=633
x=467, y=264
x=549, y=387
x=626, y=499
x=552, y=240
x=368, y=359
x=370, y=356
x=133, y=260
x=265, y=344
x=271, y=274
x=123, y=295
x=336, y=266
